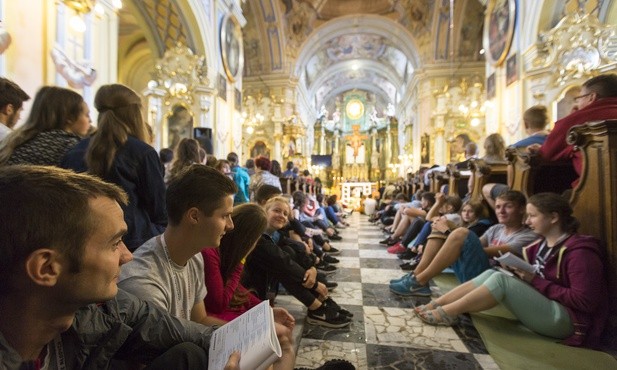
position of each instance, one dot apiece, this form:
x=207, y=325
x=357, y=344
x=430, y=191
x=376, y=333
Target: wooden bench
x=483, y=173
x=437, y=179
x=457, y=181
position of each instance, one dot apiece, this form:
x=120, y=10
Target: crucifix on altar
x=355, y=151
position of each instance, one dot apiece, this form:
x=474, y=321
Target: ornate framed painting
x=499, y=29
x=231, y=47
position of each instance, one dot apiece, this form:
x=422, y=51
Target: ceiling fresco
x=334, y=46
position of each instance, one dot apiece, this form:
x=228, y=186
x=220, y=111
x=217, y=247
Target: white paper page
x=251, y=334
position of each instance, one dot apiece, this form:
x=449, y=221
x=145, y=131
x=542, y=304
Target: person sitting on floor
x=269, y=264
x=223, y=266
x=169, y=269
x=467, y=254
x=566, y=297
x=60, y=304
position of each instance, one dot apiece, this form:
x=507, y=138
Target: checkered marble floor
x=384, y=334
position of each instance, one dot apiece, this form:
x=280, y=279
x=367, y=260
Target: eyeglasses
x=576, y=98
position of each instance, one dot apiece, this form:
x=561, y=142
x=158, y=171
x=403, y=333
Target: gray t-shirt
x=152, y=276
x=516, y=241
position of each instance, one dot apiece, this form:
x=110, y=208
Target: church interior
x=361, y=93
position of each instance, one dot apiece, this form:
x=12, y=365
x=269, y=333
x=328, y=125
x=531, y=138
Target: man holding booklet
x=169, y=269
x=61, y=307
x=469, y=255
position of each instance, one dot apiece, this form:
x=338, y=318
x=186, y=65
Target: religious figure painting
x=511, y=70
x=179, y=125
x=260, y=149
x=425, y=149
x=499, y=29
x=231, y=47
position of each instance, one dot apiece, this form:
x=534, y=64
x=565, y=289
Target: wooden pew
x=483, y=173
x=437, y=179
x=594, y=200
x=529, y=175
x=457, y=181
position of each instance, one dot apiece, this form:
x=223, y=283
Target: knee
x=486, y=190
x=459, y=234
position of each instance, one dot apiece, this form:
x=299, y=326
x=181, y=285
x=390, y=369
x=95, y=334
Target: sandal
x=443, y=320
x=432, y=305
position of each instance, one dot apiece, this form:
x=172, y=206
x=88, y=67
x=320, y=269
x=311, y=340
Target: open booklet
x=253, y=334
x=511, y=260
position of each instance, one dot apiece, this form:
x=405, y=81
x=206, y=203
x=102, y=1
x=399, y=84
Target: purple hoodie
x=575, y=277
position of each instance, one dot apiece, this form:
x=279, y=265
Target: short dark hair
x=166, y=155
x=46, y=207
x=263, y=163
x=290, y=165
x=513, y=196
x=11, y=93
x=232, y=157
x=429, y=196
x=265, y=192
x=605, y=86
x=250, y=163
x=197, y=186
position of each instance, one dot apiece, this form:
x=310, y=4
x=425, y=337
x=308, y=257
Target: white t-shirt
x=4, y=131
x=152, y=276
x=369, y=206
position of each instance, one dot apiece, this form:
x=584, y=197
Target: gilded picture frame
x=231, y=47
x=499, y=30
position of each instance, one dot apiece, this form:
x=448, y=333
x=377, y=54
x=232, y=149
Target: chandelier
x=179, y=72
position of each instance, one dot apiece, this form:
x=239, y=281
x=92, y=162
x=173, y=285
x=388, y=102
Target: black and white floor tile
x=384, y=334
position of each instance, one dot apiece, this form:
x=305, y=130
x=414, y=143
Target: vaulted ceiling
x=334, y=46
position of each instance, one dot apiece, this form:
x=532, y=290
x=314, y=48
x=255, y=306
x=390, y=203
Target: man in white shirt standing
x=12, y=98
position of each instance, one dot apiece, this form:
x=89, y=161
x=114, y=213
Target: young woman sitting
x=565, y=297
x=269, y=264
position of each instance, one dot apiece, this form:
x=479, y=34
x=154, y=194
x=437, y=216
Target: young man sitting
x=61, y=307
x=467, y=254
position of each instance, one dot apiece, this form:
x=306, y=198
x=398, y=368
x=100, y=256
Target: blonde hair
x=120, y=116
x=495, y=147
x=278, y=199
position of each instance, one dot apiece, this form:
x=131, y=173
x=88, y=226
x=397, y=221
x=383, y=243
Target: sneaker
x=333, y=251
x=396, y=248
x=335, y=237
x=405, y=277
x=330, y=303
x=410, y=288
x=329, y=259
x=325, y=268
x=330, y=285
x=407, y=255
x=328, y=317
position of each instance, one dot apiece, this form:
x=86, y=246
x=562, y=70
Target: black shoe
x=328, y=317
x=332, y=365
x=407, y=255
x=330, y=285
x=409, y=266
x=392, y=242
x=333, y=251
x=385, y=241
x=329, y=259
x=325, y=268
x=330, y=303
x=335, y=237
